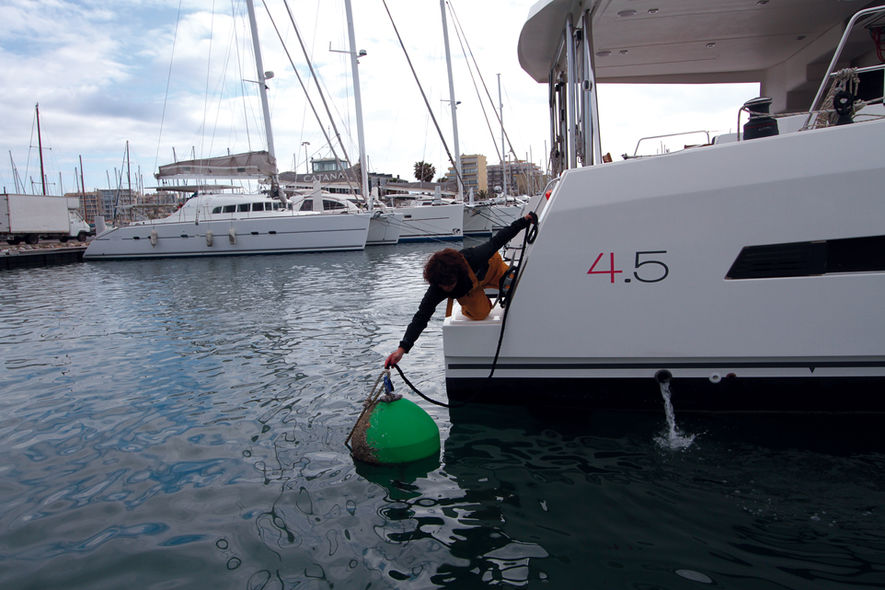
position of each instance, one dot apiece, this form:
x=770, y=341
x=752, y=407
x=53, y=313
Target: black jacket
x=478, y=259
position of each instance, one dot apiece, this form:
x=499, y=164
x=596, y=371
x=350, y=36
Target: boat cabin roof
x=687, y=41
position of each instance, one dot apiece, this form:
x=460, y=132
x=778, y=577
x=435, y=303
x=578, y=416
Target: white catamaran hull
x=253, y=235
x=752, y=272
x=385, y=229
x=424, y=223
x=477, y=220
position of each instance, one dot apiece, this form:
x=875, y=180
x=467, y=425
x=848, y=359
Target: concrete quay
x=39, y=255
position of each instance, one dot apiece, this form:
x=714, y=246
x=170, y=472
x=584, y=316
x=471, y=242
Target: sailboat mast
x=503, y=147
x=358, y=105
x=128, y=169
x=82, y=181
x=452, y=103
x=40, y=149
x=262, y=91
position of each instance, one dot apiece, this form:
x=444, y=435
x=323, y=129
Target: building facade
x=125, y=205
x=473, y=174
x=523, y=178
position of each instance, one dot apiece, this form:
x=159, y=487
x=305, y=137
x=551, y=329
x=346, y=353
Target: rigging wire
x=482, y=105
x=349, y=171
x=316, y=21
x=491, y=102
x=423, y=95
x=208, y=71
x=314, y=74
x=168, y=82
x=220, y=93
x=241, y=77
x=30, y=147
x=301, y=82
x=239, y=19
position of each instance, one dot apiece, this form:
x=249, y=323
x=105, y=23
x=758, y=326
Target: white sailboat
x=212, y=222
x=750, y=273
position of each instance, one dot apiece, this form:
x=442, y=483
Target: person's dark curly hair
x=445, y=267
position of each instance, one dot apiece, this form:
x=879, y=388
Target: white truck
x=29, y=218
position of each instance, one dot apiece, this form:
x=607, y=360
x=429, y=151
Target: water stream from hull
x=672, y=438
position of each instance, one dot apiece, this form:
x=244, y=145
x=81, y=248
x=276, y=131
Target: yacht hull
x=843, y=394
x=477, y=220
x=384, y=229
x=750, y=272
x=254, y=235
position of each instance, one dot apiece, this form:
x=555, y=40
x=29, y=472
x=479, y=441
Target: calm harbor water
x=180, y=424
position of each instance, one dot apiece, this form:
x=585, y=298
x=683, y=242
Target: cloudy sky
x=168, y=77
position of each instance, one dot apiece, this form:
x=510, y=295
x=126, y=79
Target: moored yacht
x=748, y=273
x=213, y=223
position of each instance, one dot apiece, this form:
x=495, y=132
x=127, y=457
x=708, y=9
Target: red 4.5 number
x=652, y=270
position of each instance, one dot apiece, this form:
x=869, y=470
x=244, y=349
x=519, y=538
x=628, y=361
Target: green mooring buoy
x=394, y=432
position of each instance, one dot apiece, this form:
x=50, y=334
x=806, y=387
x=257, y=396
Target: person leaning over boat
x=463, y=275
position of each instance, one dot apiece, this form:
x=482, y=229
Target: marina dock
x=16, y=257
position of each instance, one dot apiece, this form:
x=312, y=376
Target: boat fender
x=154, y=237
x=392, y=430
x=232, y=235
x=208, y=238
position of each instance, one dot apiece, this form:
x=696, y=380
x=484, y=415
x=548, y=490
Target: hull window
x=799, y=259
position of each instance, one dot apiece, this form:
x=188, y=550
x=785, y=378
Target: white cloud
x=101, y=77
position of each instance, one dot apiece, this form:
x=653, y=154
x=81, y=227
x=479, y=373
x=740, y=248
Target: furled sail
x=247, y=165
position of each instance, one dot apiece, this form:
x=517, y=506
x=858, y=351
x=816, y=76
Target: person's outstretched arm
x=487, y=249
x=431, y=299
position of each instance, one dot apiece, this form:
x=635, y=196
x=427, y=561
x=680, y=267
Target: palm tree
x=424, y=171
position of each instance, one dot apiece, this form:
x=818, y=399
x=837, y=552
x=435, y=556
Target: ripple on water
x=181, y=422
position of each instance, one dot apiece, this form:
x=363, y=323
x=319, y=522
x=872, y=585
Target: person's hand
x=394, y=358
x=531, y=217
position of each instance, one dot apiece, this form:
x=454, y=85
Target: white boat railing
x=871, y=17
x=831, y=70
x=636, y=154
